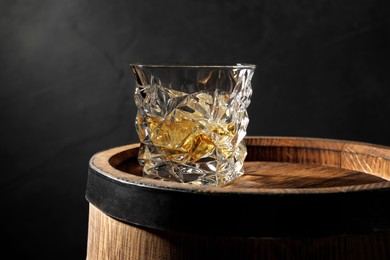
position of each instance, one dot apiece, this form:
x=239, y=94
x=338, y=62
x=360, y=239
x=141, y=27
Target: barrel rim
x=100, y=162
x=269, y=213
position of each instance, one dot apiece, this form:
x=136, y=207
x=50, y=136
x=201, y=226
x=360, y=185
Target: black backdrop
x=66, y=92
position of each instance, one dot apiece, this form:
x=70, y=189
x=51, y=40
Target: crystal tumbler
x=191, y=121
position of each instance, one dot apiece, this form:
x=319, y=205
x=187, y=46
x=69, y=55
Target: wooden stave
x=109, y=238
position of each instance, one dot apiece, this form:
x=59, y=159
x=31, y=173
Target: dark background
x=66, y=91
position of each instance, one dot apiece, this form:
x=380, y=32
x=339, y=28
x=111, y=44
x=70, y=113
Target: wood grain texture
x=368, y=158
x=109, y=238
x=271, y=175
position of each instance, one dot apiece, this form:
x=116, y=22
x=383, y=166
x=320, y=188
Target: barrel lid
x=320, y=191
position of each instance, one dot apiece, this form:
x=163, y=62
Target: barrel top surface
x=291, y=187
x=267, y=177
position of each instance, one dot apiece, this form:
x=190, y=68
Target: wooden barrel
x=300, y=198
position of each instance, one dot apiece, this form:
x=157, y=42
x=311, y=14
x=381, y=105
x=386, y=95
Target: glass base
x=186, y=174
x=217, y=167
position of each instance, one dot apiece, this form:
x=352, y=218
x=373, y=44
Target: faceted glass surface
x=191, y=121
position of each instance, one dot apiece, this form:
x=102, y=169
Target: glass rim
x=194, y=66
